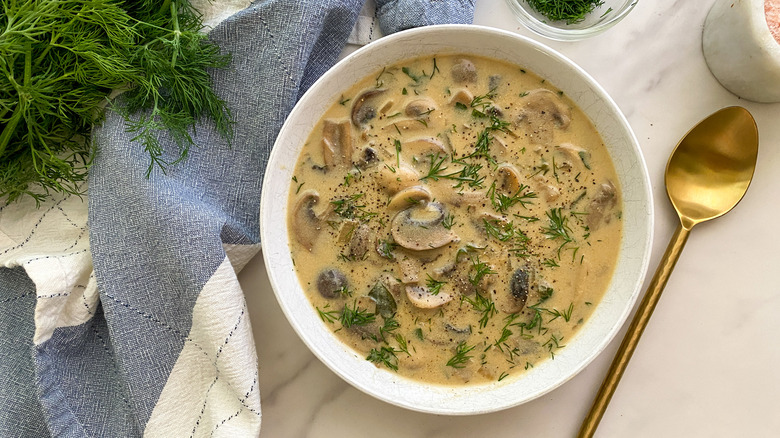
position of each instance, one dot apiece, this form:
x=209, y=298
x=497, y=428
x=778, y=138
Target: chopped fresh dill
x=384, y=356
x=558, y=228
x=349, y=208
x=448, y=221
x=379, y=81
x=414, y=77
x=483, y=100
x=483, y=305
x=468, y=174
x=480, y=270
x=435, y=68
x=385, y=248
x=553, y=344
x=345, y=291
x=355, y=316
x=389, y=326
x=461, y=356
x=502, y=202
x=329, y=316
x=568, y=11
x=403, y=345
x=434, y=286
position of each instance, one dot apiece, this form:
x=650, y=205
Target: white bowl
x=608, y=316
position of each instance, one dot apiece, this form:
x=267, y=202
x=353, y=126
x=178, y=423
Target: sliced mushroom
x=408, y=197
x=445, y=271
x=545, y=188
x=601, y=205
x=492, y=219
x=494, y=81
x=409, y=125
x=365, y=107
x=331, y=283
x=464, y=71
x=392, y=283
x=468, y=197
x=514, y=299
x=410, y=270
x=543, y=112
x=393, y=179
x=573, y=155
x=462, y=96
x=360, y=241
x=498, y=147
x=420, y=227
x=421, y=297
x=457, y=330
x=421, y=108
x=368, y=157
x=336, y=143
x=510, y=178
x=306, y=223
x=421, y=148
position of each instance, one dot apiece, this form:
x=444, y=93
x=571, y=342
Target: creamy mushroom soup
x=454, y=220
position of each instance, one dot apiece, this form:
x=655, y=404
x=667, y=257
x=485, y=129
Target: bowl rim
x=269, y=207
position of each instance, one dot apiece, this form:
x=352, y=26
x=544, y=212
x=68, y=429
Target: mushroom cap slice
x=601, y=205
x=468, y=197
x=409, y=196
x=336, y=143
x=543, y=111
x=510, y=178
x=422, y=148
x=393, y=179
x=331, y=282
x=306, y=224
x=365, y=107
x=421, y=108
x=462, y=96
x=513, y=300
x=420, y=227
x=421, y=297
x=464, y=71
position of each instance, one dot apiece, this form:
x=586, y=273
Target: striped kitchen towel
x=120, y=313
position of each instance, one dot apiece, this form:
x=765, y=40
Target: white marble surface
x=707, y=365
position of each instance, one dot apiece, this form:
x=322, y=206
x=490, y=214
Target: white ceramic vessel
x=607, y=318
x=740, y=50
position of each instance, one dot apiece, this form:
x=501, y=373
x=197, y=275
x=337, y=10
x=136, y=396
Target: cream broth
x=454, y=220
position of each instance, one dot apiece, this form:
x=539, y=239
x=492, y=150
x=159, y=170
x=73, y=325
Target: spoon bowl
x=706, y=176
x=712, y=166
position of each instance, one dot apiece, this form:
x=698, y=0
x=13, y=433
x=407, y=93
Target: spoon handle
x=635, y=330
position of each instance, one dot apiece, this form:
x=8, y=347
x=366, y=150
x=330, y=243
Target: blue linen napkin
x=157, y=341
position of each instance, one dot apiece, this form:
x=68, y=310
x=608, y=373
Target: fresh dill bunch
x=60, y=60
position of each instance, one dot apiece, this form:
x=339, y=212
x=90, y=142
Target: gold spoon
x=706, y=176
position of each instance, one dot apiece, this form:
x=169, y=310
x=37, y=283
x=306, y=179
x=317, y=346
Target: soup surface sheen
x=454, y=219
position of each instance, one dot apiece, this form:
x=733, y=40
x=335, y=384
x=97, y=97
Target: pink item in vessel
x=772, y=12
